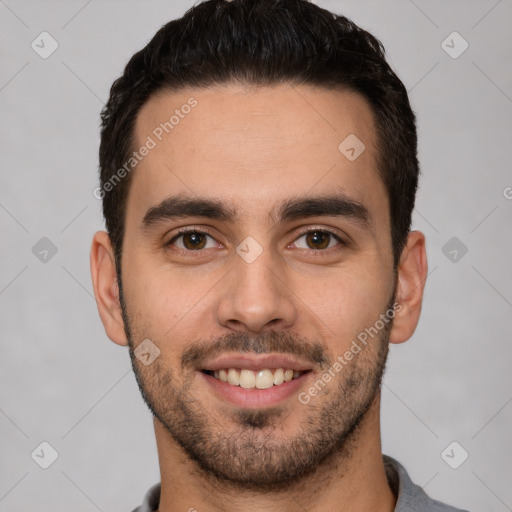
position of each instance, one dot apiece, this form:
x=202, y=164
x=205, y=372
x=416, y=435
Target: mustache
x=269, y=342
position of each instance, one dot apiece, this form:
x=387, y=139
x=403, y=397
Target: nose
x=255, y=296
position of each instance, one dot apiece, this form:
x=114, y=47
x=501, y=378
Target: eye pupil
x=317, y=237
x=197, y=240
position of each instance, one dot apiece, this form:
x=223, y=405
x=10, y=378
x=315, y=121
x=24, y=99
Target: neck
x=354, y=480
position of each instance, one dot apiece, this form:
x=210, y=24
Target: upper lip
x=256, y=362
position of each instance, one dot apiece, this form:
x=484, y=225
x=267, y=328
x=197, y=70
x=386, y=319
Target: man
x=258, y=173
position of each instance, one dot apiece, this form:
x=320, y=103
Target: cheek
x=166, y=304
x=345, y=304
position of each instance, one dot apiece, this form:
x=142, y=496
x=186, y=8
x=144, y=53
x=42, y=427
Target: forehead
x=254, y=147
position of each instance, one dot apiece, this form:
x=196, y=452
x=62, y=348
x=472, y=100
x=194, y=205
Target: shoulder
x=151, y=500
x=411, y=497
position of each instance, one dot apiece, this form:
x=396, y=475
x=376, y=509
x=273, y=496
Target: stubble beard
x=255, y=454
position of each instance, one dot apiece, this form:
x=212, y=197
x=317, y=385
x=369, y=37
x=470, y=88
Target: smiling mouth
x=255, y=379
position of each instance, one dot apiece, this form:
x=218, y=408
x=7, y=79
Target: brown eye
x=194, y=240
x=191, y=241
x=318, y=240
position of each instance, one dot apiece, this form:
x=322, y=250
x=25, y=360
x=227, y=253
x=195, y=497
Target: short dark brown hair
x=263, y=42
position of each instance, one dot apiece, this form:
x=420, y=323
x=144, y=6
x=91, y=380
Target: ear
x=104, y=280
x=412, y=273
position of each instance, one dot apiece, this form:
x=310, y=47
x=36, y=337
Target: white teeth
x=278, y=377
x=262, y=379
x=247, y=379
x=233, y=377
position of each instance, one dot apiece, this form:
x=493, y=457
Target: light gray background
x=64, y=382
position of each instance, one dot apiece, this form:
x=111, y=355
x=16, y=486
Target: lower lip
x=255, y=398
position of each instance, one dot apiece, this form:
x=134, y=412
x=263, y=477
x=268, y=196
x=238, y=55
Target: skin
x=253, y=149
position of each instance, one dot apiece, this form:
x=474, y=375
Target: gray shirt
x=410, y=497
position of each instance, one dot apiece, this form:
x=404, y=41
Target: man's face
x=253, y=282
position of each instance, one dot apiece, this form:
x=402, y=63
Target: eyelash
x=204, y=232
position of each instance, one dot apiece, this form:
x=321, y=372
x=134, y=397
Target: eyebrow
x=180, y=206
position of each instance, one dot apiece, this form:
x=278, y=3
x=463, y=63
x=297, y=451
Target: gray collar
x=411, y=497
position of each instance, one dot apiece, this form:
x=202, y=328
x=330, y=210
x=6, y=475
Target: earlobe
x=106, y=290
x=411, y=276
